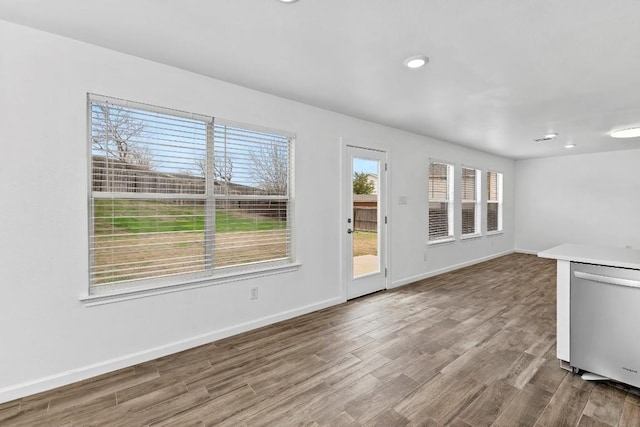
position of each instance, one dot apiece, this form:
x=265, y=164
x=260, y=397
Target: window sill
x=441, y=241
x=494, y=233
x=135, y=293
x=470, y=236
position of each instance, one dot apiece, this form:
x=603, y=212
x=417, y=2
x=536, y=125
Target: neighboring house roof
x=365, y=198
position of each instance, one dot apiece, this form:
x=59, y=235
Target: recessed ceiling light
x=547, y=137
x=287, y=1
x=569, y=145
x=626, y=133
x=417, y=61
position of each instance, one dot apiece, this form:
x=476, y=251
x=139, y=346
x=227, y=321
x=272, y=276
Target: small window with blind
x=440, y=202
x=178, y=198
x=494, y=202
x=470, y=212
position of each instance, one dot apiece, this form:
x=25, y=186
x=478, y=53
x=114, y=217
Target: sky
x=365, y=165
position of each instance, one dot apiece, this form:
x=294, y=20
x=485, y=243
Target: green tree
x=362, y=184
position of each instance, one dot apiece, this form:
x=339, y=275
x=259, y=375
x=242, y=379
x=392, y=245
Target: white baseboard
x=412, y=279
x=527, y=251
x=57, y=380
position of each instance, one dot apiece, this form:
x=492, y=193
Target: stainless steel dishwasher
x=605, y=321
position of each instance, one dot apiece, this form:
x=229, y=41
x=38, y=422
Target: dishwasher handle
x=607, y=279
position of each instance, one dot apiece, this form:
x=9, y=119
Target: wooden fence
x=365, y=218
x=112, y=175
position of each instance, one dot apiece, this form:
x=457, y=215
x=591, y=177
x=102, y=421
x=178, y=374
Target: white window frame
x=498, y=202
x=123, y=290
x=476, y=201
x=450, y=200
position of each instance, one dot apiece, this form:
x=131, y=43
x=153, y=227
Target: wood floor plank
x=487, y=406
x=605, y=404
x=366, y=406
x=213, y=411
x=525, y=408
x=387, y=418
x=586, y=421
x=630, y=413
x=548, y=377
x=168, y=408
x=566, y=405
x=522, y=370
x=440, y=399
x=473, y=347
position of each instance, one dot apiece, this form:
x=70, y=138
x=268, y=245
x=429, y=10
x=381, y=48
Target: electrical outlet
x=254, y=292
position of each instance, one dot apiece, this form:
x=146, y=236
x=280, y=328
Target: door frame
x=345, y=197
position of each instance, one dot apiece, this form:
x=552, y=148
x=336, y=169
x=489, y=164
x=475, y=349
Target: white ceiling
x=502, y=72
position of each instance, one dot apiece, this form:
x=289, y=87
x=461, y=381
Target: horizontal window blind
x=440, y=200
x=470, y=207
x=252, y=195
x=174, y=194
x=494, y=201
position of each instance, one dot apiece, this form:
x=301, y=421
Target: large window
x=177, y=197
x=440, y=201
x=470, y=212
x=494, y=202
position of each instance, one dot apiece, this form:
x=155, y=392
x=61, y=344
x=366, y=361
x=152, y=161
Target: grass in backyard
x=365, y=243
x=147, y=216
x=230, y=222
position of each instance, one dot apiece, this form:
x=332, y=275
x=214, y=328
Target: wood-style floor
x=475, y=347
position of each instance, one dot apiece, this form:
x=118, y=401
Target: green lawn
x=146, y=216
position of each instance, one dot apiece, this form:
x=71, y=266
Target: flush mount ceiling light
x=570, y=146
x=417, y=61
x=626, y=133
x=287, y=1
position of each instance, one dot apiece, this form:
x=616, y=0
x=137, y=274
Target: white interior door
x=365, y=221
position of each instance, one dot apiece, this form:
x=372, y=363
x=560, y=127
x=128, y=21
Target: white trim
x=451, y=201
x=412, y=279
x=477, y=203
x=470, y=236
x=124, y=294
x=526, y=251
x=441, y=241
x=346, y=265
x=494, y=233
x=138, y=287
x=499, y=202
x=63, y=378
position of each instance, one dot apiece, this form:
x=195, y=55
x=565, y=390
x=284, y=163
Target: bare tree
x=222, y=169
x=271, y=168
x=114, y=136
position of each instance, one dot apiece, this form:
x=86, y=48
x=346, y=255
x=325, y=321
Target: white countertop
x=601, y=255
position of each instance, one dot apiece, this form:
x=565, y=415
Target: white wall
x=48, y=337
x=588, y=198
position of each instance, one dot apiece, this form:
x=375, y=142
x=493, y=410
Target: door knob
x=349, y=231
